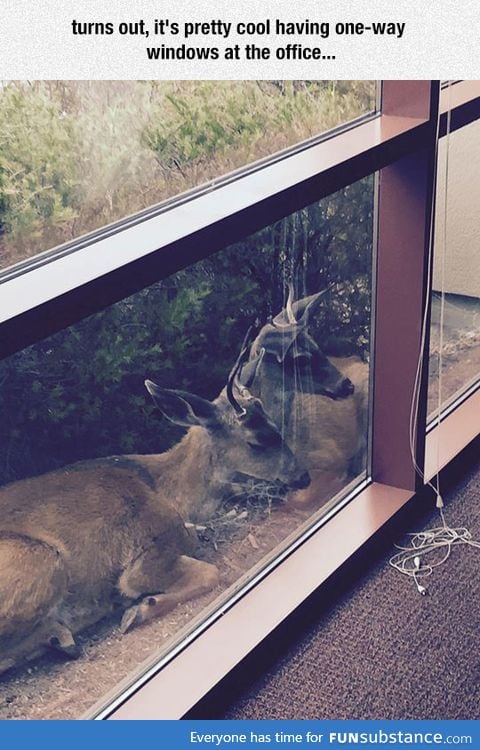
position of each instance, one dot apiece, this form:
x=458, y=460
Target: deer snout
x=343, y=388
x=292, y=475
x=346, y=388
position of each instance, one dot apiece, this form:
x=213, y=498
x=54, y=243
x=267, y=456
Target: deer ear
x=183, y=408
x=303, y=308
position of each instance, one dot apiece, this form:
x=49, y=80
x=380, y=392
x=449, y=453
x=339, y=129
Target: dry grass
x=76, y=155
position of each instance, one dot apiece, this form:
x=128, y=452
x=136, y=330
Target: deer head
x=236, y=434
x=293, y=361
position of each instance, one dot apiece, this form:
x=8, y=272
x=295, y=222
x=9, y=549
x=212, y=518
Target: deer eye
x=258, y=447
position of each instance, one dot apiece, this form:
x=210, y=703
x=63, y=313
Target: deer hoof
x=62, y=640
x=129, y=620
x=149, y=608
x=6, y=664
x=72, y=650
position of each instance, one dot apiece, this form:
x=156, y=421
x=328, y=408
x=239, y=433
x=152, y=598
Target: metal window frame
x=46, y=294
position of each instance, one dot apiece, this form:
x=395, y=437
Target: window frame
x=51, y=291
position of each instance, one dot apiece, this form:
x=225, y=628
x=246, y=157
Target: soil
x=460, y=367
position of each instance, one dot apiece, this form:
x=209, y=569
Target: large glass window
x=207, y=476
x=156, y=472
x=77, y=155
x=455, y=331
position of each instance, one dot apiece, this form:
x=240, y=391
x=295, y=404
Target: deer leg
x=6, y=664
x=61, y=639
x=187, y=579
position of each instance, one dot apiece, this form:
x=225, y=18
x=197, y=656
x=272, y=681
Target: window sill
x=171, y=691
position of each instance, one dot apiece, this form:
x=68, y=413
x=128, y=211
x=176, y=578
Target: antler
x=290, y=314
x=233, y=373
x=286, y=318
x=296, y=314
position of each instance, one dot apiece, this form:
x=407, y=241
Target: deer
x=319, y=403
x=110, y=535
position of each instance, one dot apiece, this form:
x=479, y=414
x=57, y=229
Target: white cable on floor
x=429, y=549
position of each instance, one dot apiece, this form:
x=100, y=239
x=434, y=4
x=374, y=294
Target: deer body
x=329, y=436
x=68, y=542
x=109, y=534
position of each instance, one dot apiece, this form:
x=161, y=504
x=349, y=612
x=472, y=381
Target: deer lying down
x=329, y=436
x=320, y=404
x=109, y=534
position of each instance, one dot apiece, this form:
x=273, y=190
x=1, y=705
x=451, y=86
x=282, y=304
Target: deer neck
x=277, y=400
x=186, y=475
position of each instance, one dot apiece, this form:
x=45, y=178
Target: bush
x=38, y=181
x=76, y=155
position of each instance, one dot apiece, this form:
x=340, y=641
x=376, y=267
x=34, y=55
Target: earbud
x=415, y=559
x=426, y=550
x=417, y=562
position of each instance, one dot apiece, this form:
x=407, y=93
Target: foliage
x=75, y=155
x=37, y=175
x=194, y=127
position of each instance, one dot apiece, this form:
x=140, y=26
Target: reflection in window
x=460, y=271
x=235, y=482
x=77, y=155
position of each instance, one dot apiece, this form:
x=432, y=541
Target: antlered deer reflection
x=77, y=543
x=318, y=403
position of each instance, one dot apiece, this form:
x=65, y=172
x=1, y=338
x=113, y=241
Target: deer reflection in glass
x=109, y=535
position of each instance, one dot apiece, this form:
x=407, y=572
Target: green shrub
x=76, y=155
x=38, y=180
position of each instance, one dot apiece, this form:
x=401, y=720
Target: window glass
x=77, y=155
x=200, y=488
x=455, y=330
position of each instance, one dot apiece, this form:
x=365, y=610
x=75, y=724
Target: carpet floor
x=381, y=651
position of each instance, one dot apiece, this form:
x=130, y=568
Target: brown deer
x=109, y=534
x=318, y=403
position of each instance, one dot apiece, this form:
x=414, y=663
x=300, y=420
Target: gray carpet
x=382, y=651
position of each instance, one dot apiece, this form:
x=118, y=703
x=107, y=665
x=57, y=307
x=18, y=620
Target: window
x=79, y=395
x=168, y=295
x=456, y=319
x=77, y=155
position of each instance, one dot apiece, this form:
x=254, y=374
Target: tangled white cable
x=429, y=549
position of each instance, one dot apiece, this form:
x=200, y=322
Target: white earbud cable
x=427, y=550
